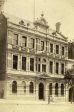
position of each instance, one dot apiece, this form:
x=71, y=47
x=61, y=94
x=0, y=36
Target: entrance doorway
x=41, y=91
x=71, y=94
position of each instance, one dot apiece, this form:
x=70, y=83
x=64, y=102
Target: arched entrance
x=41, y=91
x=71, y=94
x=14, y=87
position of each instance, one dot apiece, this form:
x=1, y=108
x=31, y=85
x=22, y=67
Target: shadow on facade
x=71, y=94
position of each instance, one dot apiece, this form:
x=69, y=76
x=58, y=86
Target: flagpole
x=34, y=12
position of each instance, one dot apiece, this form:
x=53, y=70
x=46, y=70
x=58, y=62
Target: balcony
x=15, y=47
x=24, y=49
x=28, y=50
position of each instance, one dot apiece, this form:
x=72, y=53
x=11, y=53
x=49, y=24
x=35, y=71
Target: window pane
x=24, y=41
x=23, y=63
x=43, y=68
x=51, y=48
x=38, y=67
x=15, y=61
x=31, y=64
x=57, y=49
x=62, y=68
x=57, y=68
x=51, y=67
x=32, y=43
x=15, y=39
x=62, y=50
x=42, y=45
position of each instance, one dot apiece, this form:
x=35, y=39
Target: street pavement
x=34, y=106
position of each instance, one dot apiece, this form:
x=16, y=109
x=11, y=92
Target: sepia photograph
x=36, y=55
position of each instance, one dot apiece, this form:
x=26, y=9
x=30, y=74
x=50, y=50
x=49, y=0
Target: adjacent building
x=71, y=50
x=33, y=60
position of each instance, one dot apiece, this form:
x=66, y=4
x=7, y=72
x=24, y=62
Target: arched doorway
x=41, y=91
x=71, y=94
x=14, y=87
x=56, y=89
x=31, y=87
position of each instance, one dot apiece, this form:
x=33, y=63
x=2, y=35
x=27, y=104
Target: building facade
x=33, y=60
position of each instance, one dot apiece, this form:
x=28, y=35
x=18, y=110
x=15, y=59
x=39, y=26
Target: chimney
x=1, y=5
x=58, y=27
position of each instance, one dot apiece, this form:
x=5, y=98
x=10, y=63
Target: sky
x=54, y=11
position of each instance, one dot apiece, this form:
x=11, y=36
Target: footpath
x=22, y=102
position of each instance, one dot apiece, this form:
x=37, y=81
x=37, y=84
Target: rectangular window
x=57, y=68
x=23, y=63
x=62, y=68
x=15, y=39
x=62, y=50
x=24, y=41
x=32, y=43
x=57, y=49
x=43, y=68
x=31, y=64
x=15, y=62
x=51, y=48
x=42, y=45
x=51, y=67
x=38, y=67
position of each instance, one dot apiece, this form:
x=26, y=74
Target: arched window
x=24, y=86
x=14, y=87
x=62, y=89
x=31, y=87
x=50, y=88
x=56, y=89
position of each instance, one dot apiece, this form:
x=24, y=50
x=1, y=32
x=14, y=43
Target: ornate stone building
x=33, y=59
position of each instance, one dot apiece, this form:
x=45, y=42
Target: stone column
x=19, y=40
x=59, y=68
x=59, y=89
x=37, y=92
x=53, y=92
x=54, y=67
x=19, y=62
x=35, y=64
x=28, y=63
x=67, y=93
x=47, y=66
x=46, y=91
